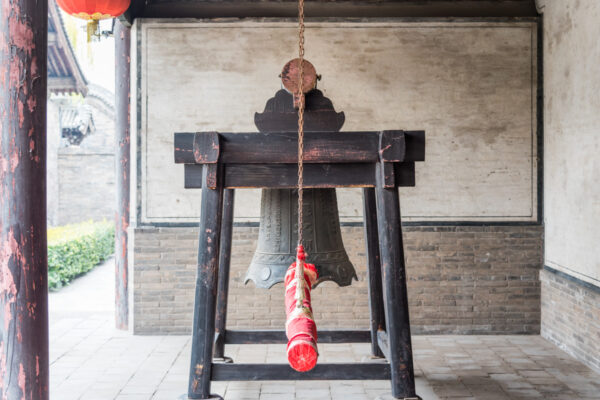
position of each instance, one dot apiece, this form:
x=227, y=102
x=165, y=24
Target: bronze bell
x=278, y=237
x=278, y=233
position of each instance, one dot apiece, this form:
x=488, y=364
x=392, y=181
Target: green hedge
x=75, y=249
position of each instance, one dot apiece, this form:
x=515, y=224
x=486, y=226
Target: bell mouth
x=266, y=275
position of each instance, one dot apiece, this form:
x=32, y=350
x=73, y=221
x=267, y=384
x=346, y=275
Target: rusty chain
x=300, y=95
x=299, y=272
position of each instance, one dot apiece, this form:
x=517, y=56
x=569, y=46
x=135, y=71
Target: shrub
x=75, y=249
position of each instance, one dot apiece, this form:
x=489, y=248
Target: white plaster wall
x=572, y=137
x=471, y=86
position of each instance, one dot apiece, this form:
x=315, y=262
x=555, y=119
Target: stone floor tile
x=277, y=388
x=234, y=394
x=277, y=396
x=313, y=394
x=90, y=360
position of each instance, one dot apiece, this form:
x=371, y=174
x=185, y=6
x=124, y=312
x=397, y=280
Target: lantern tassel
x=300, y=326
x=93, y=27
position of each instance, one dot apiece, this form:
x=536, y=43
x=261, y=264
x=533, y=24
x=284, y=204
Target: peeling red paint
x=20, y=108
x=122, y=100
x=14, y=161
x=31, y=103
x=22, y=380
x=14, y=76
x=33, y=68
x=23, y=302
x=21, y=34
x=31, y=309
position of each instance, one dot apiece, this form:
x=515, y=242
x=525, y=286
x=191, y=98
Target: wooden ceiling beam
x=329, y=8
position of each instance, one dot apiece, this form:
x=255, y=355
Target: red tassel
x=301, y=329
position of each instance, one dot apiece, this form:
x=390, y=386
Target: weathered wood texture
x=23, y=242
x=278, y=337
x=394, y=289
x=267, y=160
x=286, y=175
x=383, y=343
x=280, y=115
x=122, y=115
x=319, y=147
x=283, y=372
x=206, y=290
x=373, y=268
x=224, y=264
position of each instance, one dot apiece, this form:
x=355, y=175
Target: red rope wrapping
x=300, y=326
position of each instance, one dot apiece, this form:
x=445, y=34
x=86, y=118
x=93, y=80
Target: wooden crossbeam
x=282, y=176
x=283, y=372
x=278, y=337
x=281, y=147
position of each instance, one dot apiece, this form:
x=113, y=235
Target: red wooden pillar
x=23, y=244
x=122, y=106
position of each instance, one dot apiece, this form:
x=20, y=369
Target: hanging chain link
x=300, y=95
x=299, y=272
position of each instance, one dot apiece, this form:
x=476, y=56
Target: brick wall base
x=461, y=279
x=571, y=317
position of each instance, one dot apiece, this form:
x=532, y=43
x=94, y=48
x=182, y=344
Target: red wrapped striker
x=300, y=326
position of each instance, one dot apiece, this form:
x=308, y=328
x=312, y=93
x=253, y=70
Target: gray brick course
x=461, y=279
x=571, y=318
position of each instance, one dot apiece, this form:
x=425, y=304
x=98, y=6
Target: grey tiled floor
x=91, y=360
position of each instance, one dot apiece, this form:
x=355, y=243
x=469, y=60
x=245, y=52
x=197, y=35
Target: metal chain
x=299, y=272
x=300, y=119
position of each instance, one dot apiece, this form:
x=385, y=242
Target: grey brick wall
x=571, y=317
x=461, y=279
x=86, y=186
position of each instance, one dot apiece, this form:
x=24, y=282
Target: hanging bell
x=278, y=237
x=278, y=232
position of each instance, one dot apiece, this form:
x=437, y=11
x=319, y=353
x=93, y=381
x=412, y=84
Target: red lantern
x=94, y=10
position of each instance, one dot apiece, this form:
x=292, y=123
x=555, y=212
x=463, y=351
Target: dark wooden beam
x=280, y=147
x=375, y=287
x=205, y=299
x=122, y=136
x=393, y=269
x=135, y=10
x=278, y=337
x=224, y=264
x=383, y=343
x=283, y=372
x=332, y=9
x=23, y=243
x=285, y=176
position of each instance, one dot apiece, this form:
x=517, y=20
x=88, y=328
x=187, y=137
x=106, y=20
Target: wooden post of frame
x=224, y=264
x=397, y=335
x=206, y=283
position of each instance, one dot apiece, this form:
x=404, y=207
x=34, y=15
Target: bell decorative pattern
x=278, y=237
